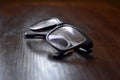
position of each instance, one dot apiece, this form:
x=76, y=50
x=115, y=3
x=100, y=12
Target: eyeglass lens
x=45, y=24
x=66, y=37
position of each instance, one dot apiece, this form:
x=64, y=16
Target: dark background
x=113, y=2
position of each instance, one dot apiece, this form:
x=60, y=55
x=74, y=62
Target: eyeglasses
x=65, y=38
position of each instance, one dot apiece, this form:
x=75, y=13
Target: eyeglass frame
x=86, y=45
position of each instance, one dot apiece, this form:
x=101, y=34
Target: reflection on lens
x=59, y=41
x=69, y=34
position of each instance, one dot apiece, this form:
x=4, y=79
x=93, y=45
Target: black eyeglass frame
x=85, y=45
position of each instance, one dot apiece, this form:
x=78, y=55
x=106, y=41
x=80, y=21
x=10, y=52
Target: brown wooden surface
x=22, y=59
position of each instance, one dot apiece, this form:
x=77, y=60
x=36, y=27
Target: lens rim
x=86, y=44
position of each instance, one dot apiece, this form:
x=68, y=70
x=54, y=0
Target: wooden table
x=22, y=59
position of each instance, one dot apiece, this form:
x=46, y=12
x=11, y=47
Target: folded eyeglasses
x=65, y=38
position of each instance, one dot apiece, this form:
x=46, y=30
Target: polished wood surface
x=22, y=59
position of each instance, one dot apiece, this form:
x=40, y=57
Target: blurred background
x=113, y=2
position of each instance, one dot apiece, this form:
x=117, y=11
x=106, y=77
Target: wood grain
x=22, y=59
